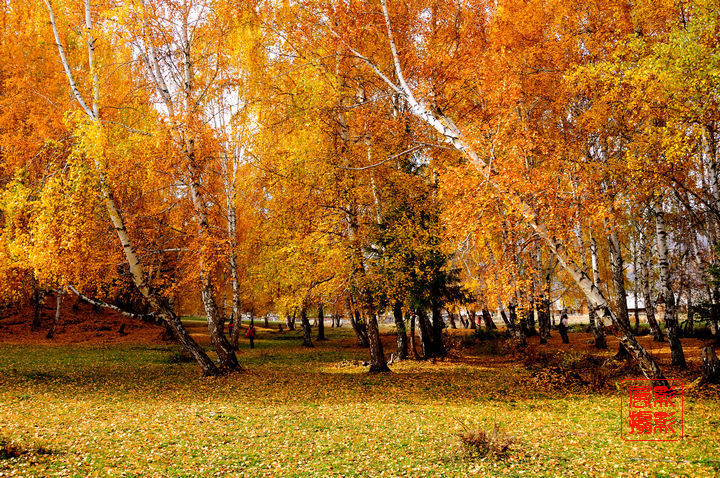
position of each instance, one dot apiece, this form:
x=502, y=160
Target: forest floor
x=140, y=409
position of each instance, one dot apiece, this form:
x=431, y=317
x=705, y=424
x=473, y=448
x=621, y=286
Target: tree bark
x=402, y=344
x=503, y=315
x=426, y=335
x=543, y=319
x=157, y=302
x=307, y=330
x=454, y=136
x=635, y=288
x=463, y=320
x=690, y=327
x=598, y=328
x=321, y=323
x=225, y=351
x=487, y=318
x=471, y=315
x=38, y=299
x=647, y=293
x=359, y=328
x=517, y=330
x=618, y=275
x=710, y=366
x=378, y=364
x=230, y=195
x=451, y=317
x=413, y=347
x=223, y=348
x=237, y=329
x=671, y=322
x=58, y=302
x=290, y=319
x=438, y=324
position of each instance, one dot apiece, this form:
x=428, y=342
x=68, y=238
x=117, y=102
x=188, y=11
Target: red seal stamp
x=651, y=412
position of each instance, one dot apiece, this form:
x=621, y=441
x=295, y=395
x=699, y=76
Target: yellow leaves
x=123, y=409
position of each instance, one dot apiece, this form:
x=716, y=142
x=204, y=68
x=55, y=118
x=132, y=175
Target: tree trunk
x=548, y=315
x=237, y=329
x=647, y=294
x=472, y=319
x=236, y=315
x=451, y=317
x=690, y=327
x=506, y=320
x=544, y=319
x=618, y=275
x=307, y=330
x=225, y=352
x=487, y=318
x=517, y=330
x=671, y=322
x=710, y=366
x=51, y=332
x=321, y=323
x=530, y=317
x=378, y=364
x=181, y=334
x=456, y=139
x=38, y=299
x=359, y=328
x=413, y=347
x=438, y=324
x=155, y=299
x=463, y=319
x=426, y=336
x=635, y=288
x=598, y=327
x=402, y=344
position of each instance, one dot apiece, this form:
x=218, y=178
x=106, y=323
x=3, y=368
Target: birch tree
x=90, y=106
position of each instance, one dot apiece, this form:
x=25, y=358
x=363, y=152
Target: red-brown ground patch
x=79, y=323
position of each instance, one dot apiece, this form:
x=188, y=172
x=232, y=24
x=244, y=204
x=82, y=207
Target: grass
x=137, y=411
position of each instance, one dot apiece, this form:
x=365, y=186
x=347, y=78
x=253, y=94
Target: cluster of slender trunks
x=363, y=313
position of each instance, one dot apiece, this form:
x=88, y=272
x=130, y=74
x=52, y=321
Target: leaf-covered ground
x=124, y=410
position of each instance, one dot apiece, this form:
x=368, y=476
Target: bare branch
x=100, y=303
x=362, y=168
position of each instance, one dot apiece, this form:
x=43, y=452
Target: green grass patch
x=142, y=411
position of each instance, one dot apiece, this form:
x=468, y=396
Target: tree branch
x=66, y=65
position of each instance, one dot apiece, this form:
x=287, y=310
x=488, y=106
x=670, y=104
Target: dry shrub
x=10, y=449
x=482, y=443
x=569, y=371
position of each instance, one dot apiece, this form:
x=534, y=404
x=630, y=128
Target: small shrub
x=701, y=332
x=180, y=356
x=10, y=449
x=482, y=443
x=494, y=344
x=467, y=341
x=482, y=333
x=566, y=370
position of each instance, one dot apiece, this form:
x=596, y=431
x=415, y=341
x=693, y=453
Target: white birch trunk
x=671, y=322
x=56, y=319
x=453, y=136
x=157, y=302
